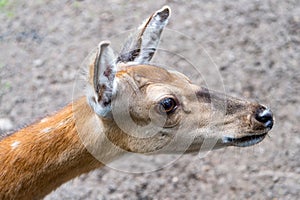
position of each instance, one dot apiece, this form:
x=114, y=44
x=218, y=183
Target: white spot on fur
x=46, y=130
x=15, y=144
x=44, y=120
x=61, y=124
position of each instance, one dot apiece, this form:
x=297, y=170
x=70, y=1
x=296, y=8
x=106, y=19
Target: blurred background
x=255, y=46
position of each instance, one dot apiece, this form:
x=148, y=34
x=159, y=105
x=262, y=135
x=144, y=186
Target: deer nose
x=265, y=116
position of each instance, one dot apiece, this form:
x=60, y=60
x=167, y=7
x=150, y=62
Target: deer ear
x=103, y=72
x=141, y=47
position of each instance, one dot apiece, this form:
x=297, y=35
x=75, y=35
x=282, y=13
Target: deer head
x=155, y=110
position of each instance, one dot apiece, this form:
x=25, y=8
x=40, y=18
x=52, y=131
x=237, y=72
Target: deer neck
x=39, y=158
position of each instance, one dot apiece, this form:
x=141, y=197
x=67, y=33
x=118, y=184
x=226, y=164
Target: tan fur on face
x=201, y=114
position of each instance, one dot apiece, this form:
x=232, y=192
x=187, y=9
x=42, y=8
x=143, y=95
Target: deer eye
x=167, y=105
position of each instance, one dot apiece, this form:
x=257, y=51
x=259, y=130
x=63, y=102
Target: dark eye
x=168, y=105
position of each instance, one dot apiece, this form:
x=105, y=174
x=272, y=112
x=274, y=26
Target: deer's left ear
x=102, y=74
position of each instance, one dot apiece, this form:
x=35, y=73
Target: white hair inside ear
x=104, y=70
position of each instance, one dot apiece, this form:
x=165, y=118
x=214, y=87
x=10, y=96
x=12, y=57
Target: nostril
x=265, y=116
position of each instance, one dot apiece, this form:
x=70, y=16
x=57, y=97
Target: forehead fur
x=145, y=74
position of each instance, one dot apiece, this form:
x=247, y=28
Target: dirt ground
x=255, y=46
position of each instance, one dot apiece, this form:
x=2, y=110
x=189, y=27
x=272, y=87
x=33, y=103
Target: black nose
x=265, y=116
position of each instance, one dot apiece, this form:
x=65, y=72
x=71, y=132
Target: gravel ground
x=255, y=46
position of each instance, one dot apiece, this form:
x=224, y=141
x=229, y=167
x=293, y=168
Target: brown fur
x=43, y=161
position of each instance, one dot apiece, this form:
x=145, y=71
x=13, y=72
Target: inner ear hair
x=104, y=71
x=97, y=66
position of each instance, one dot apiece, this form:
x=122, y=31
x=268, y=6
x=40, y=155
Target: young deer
x=130, y=106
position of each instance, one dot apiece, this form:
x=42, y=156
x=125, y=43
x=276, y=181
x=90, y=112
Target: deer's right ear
x=102, y=75
x=141, y=46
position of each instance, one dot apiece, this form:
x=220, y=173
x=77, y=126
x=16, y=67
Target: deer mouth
x=244, y=141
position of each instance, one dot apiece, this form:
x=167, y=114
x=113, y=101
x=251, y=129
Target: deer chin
x=244, y=141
